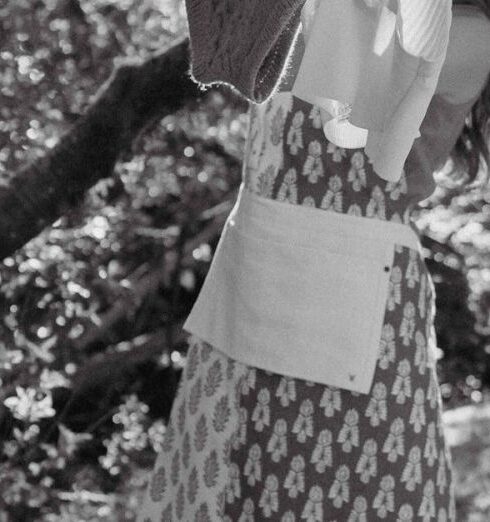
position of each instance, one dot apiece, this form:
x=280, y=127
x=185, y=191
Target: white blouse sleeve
x=372, y=66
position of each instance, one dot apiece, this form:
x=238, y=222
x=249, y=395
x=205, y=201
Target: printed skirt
x=245, y=444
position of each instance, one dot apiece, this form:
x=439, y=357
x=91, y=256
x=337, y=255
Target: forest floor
x=467, y=430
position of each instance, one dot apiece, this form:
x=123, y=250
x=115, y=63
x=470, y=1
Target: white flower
x=27, y=406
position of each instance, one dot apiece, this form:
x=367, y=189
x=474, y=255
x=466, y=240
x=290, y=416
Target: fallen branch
x=140, y=287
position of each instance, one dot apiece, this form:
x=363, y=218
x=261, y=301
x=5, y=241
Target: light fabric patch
x=191, y=473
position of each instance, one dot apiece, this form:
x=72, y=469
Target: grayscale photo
x=245, y=260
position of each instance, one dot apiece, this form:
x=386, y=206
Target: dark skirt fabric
x=244, y=444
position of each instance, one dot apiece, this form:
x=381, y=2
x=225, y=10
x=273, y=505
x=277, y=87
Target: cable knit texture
x=243, y=43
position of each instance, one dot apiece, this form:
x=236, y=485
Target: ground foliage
x=91, y=347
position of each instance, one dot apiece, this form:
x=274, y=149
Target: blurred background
x=91, y=308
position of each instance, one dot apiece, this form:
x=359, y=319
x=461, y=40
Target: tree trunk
x=135, y=96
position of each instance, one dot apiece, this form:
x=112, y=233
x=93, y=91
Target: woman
x=245, y=442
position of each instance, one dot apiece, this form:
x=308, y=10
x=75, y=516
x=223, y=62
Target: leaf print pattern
x=339, y=491
x=294, y=450
x=192, y=486
x=295, y=135
x=367, y=463
x=295, y=479
x=288, y=190
x=397, y=188
x=315, y=117
x=357, y=174
x=213, y=378
x=313, y=510
x=261, y=413
x=221, y=414
x=278, y=443
x=384, y=501
x=349, y=433
x=191, y=474
x=186, y=449
x=330, y=401
x=201, y=433
x=265, y=181
x=277, y=126
x=377, y=409
x=253, y=467
x=313, y=166
x=394, y=444
x=158, y=484
x=286, y=391
x=376, y=206
x=395, y=294
x=195, y=397
x=210, y=469
x=322, y=453
x=333, y=198
x=175, y=470
x=303, y=426
x=386, y=347
x=269, y=499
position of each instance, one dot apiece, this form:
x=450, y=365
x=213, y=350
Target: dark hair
x=472, y=146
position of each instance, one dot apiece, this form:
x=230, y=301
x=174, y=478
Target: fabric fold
x=373, y=71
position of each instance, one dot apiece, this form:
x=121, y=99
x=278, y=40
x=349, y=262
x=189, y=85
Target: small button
x=387, y=268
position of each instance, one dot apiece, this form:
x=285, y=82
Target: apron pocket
x=306, y=312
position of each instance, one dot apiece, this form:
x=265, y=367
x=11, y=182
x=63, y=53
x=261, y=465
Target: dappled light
x=91, y=344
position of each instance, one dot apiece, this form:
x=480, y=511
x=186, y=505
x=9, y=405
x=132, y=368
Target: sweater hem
x=270, y=51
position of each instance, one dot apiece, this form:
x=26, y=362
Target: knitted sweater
x=243, y=43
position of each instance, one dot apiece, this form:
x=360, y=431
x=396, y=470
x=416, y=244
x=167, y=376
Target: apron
x=325, y=323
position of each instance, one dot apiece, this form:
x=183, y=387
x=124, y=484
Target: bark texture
x=135, y=96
